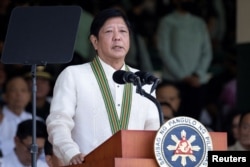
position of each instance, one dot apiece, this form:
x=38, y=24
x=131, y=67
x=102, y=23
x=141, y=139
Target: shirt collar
x=10, y=115
x=109, y=69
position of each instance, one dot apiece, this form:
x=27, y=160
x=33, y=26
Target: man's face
x=23, y=148
x=169, y=94
x=235, y=126
x=244, y=132
x=113, y=40
x=43, y=87
x=17, y=94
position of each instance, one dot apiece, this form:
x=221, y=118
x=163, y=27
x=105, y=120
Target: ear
x=16, y=140
x=94, y=41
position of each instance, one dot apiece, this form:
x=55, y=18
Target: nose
x=116, y=35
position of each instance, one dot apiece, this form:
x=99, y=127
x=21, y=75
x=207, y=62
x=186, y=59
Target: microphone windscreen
x=118, y=76
x=141, y=74
x=144, y=76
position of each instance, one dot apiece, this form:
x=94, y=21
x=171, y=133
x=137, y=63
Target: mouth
x=117, y=48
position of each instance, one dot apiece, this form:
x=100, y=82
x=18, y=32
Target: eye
x=123, y=31
x=108, y=31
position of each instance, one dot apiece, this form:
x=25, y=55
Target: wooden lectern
x=132, y=148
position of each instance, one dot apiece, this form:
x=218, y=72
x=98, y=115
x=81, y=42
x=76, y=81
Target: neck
x=16, y=110
x=115, y=63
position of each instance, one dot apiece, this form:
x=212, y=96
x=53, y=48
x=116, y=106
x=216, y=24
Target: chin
x=119, y=56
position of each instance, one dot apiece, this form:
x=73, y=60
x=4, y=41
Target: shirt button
x=118, y=105
x=118, y=86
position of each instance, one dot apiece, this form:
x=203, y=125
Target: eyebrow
x=119, y=26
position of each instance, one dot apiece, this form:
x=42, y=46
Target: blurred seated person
x=16, y=96
x=168, y=92
x=21, y=154
x=233, y=128
x=51, y=159
x=243, y=142
x=43, y=83
x=7, y=131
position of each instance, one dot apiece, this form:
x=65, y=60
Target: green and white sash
x=115, y=123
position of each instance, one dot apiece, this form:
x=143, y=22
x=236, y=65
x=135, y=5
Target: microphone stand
x=150, y=97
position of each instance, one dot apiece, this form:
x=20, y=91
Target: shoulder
x=41, y=163
x=10, y=160
x=167, y=18
x=75, y=74
x=76, y=69
x=236, y=147
x=26, y=114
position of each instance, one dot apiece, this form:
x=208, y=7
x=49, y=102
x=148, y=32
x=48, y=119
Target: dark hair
x=165, y=83
x=242, y=116
x=24, y=129
x=103, y=16
x=48, y=148
x=10, y=79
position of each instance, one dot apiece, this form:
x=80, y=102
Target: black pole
x=153, y=99
x=41, y=24
x=34, y=147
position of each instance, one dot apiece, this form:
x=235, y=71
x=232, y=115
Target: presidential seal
x=182, y=142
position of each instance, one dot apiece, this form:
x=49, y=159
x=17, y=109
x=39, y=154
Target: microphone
x=122, y=77
x=147, y=78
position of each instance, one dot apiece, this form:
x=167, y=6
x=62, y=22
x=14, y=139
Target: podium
x=133, y=148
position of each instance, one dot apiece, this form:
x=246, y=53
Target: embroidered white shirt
x=78, y=120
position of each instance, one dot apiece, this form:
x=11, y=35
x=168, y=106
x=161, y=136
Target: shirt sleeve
x=60, y=120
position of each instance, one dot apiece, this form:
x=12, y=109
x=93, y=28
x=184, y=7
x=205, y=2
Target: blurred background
x=227, y=24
